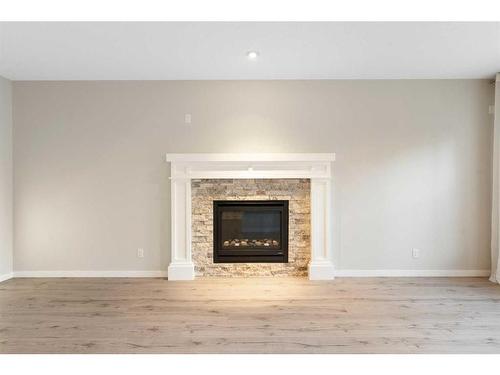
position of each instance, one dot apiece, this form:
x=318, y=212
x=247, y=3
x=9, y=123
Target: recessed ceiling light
x=252, y=55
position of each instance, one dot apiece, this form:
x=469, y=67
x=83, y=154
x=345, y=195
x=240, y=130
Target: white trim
x=181, y=271
x=412, y=273
x=337, y=273
x=495, y=201
x=321, y=270
x=198, y=166
x=245, y=157
x=6, y=277
x=90, y=274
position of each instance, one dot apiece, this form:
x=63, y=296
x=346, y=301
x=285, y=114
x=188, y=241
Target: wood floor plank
x=268, y=315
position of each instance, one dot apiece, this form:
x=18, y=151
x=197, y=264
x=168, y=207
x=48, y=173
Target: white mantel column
x=181, y=265
x=321, y=265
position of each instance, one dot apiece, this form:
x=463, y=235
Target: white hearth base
x=181, y=271
x=316, y=167
x=321, y=270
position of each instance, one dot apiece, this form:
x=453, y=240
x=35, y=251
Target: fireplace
x=197, y=180
x=251, y=231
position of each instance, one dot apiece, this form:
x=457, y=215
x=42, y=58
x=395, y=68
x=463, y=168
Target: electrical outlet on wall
x=415, y=253
x=140, y=253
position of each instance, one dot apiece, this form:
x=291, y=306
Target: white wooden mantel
x=316, y=167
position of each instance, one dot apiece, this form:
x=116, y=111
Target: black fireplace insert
x=251, y=231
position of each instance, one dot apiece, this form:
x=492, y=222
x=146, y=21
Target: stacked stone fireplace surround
x=205, y=191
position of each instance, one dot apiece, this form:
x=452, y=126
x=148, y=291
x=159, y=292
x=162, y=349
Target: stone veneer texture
x=296, y=191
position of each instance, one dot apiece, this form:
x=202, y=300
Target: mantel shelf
x=253, y=157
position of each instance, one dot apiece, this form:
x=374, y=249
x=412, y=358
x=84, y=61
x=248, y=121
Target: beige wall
x=413, y=165
x=6, y=190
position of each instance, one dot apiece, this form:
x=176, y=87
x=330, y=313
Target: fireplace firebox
x=251, y=231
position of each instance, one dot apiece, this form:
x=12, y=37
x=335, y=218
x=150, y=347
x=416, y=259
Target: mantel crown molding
x=251, y=157
x=199, y=166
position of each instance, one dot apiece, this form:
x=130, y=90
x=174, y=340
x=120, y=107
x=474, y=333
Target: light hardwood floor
x=349, y=315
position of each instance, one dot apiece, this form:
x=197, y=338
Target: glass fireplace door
x=250, y=231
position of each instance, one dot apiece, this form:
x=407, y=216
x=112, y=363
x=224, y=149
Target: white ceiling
x=330, y=50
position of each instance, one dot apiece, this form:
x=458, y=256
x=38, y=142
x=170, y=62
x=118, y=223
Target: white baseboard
x=412, y=273
x=337, y=273
x=90, y=274
x=6, y=276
